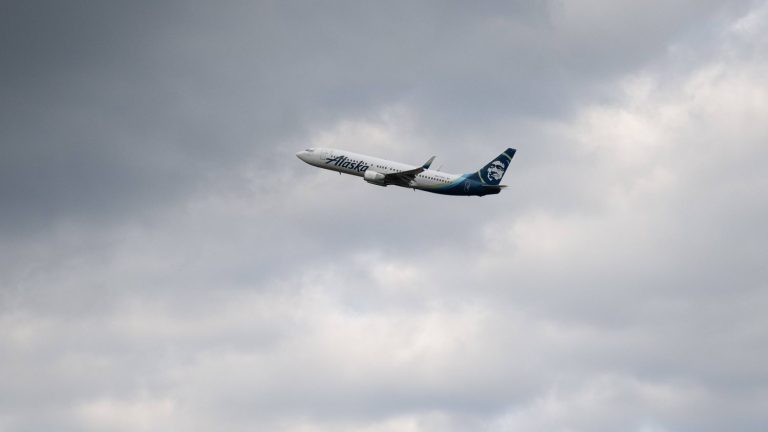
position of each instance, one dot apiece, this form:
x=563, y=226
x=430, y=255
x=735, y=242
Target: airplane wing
x=404, y=178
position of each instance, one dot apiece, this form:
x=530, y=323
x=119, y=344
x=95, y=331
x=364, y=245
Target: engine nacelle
x=374, y=177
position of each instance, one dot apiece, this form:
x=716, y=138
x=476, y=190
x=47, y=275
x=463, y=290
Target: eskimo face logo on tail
x=496, y=170
x=345, y=162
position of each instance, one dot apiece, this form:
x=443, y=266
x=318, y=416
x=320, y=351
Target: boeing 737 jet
x=383, y=172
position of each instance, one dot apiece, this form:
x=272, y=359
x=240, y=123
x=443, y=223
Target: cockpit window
x=310, y=150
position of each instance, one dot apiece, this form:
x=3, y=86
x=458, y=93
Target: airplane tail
x=492, y=173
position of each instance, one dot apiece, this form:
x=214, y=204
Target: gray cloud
x=167, y=263
x=113, y=108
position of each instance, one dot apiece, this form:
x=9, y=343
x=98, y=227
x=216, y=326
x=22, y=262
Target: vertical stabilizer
x=492, y=173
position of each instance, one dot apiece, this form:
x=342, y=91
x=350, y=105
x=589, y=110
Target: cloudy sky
x=167, y=263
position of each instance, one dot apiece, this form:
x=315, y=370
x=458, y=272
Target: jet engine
x=374, y=177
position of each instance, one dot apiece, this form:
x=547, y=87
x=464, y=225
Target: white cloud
x=141, y=415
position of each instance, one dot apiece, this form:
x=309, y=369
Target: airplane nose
x=301, y=155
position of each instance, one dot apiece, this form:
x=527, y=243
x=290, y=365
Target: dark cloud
x=111, y=108
x=168, y=263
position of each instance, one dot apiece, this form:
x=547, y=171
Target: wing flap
x=404, y=178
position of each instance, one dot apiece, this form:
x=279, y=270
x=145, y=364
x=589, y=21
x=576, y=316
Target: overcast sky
x=168, y=264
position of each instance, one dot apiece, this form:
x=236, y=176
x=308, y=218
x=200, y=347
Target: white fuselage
x=357, y=164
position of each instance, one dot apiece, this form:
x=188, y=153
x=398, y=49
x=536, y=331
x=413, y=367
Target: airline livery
x=382, y=172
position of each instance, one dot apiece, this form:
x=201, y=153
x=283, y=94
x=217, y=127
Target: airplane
x=382, y=172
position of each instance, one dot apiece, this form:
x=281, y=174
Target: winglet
x=428, y=163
